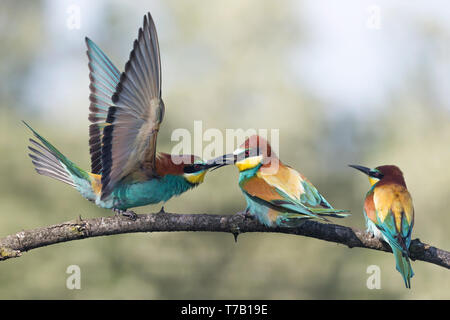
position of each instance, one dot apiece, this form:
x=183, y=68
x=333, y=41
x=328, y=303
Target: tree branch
x=13, y=246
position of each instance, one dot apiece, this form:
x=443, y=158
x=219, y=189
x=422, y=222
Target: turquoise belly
x=261, y=212
x=129, y=195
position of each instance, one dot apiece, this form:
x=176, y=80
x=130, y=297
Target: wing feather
x=261, y=191
x=295, y=193
x=104, y=78
x=394, y=214
x=129, y=142
x=294, y=185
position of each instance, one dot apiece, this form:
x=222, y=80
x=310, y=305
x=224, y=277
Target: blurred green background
x=342, y=86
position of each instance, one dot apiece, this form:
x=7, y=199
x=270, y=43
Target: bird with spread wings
x=126, y=110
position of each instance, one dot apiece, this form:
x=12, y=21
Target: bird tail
x=403, y=266
x=291, y=220
x=330, y=212
x=297, y=219
x=49, y=162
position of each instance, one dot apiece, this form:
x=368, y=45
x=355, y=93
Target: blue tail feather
x=403, y=265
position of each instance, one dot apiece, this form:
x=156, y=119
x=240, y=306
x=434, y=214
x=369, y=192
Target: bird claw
x=246, y=215
x=130, y=214
x=126, y=213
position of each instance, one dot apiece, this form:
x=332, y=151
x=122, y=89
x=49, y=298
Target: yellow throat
x=373, y=180
x=195, y=178
x=248, y=163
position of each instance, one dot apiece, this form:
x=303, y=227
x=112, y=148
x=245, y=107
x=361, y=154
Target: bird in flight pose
x=276, y=194
x=389, y=213
x=126, y=110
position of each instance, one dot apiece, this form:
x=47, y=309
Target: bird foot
x=246, y=215
x=126, y=213
x=374, y=233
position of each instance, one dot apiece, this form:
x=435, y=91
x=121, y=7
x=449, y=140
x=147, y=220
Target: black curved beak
x=361, y=168
x=221, y=161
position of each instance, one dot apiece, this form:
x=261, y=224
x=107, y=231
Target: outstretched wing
x=129, y=138
x=104, y=78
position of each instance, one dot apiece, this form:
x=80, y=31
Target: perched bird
x=389, y=213
x=276, y=194
x=126, y=110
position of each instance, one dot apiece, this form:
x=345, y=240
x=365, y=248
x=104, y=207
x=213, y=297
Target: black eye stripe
x=376, y=174
x=252, y=152
x=193, y=168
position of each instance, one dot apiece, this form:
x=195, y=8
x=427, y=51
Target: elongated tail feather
x=296, y=206
x=330, y=212
x=292, y=220
x=403, y=266
x=297, y=219
x=48, y=161
x=47, y=164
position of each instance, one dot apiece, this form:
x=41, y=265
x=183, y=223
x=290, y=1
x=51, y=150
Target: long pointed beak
x=221, y=161
x=360, y=168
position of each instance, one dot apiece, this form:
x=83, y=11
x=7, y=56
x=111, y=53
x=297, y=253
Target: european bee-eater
x=389, y=213
x=126, y=110
x=276, y=194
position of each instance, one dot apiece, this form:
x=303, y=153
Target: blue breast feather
x=129, y=195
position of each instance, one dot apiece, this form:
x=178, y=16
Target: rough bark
x=14, y=245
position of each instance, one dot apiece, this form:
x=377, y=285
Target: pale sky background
x=353, y=66
x=349, y=66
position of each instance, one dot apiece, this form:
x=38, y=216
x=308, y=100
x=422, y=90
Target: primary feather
x=104, y=78
x=129, y=141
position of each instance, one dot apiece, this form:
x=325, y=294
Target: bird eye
x=376, y=174
x=192, y=168
x=247, y=153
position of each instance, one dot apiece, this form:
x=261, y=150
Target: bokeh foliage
x=227, y=63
